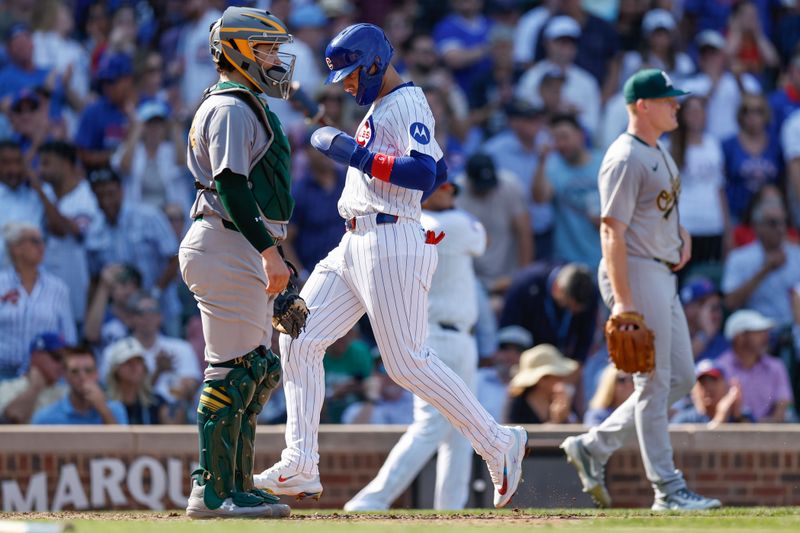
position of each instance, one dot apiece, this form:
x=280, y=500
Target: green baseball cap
x=650, y=83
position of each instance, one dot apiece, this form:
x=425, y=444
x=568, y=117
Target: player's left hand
x=686, y=249
x=340, y=147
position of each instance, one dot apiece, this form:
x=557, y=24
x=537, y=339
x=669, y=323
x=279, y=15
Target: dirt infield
x=517, y=516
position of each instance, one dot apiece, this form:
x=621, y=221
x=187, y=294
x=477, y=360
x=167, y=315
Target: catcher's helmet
x=359, y=45
x=235, y=36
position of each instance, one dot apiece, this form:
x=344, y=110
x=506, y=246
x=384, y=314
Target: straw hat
x=539, y=361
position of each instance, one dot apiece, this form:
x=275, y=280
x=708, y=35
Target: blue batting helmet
x=359, y=45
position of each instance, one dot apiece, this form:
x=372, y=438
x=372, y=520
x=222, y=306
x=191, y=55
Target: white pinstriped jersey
x=395, y=125
x=23, y=316
x=453, y=298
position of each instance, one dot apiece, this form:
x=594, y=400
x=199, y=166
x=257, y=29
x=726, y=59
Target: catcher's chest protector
x=270, y=179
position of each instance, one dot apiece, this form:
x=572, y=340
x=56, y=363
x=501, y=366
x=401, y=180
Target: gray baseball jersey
x=225, y=133
x=639, y=186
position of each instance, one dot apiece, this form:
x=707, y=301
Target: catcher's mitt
x=289, y=310
x=631, y=344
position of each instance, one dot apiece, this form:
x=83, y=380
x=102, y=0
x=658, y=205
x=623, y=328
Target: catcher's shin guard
x=219, y=420
x=265, y=370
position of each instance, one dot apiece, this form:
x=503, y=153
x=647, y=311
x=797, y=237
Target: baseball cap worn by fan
x=152, y=109
x=710, y=39
x=649, y=84
x=708, y=367
x=47, y=342
x=123, y=350
x=114, y=67
x=562, y=26
x=516, y=335
x=481, y=173
x=697, y=290
x=657, y=19
x=102, y=175
x=540, y=361
x=746, y=320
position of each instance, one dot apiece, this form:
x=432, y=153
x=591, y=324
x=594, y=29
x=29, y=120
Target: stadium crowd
x=96, y=99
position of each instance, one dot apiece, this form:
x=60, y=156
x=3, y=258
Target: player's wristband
x=415, y=171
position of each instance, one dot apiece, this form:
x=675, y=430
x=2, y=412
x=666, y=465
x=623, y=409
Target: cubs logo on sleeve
x=420, y=133
x=366, y=133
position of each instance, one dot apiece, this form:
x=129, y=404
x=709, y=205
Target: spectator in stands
x=196, y=72
x=540, y=391
x=598, y=46
x=134, y=233
x=31, y=123
x=152, y=159
x=495, y=372
x=347, y=363
x=704, y=205
x=702, y=15
x=556, y=304
x=529, y=27
x=150, y=79
x=32, y=300
x=722, y=88
x=614, y=388
x=787, y=347
x=659, y=49
x=753, y=157
x=39, y=387
x=422, y=67
x=766, y=392
x=497, y=200
x=70, y=209
x=18, y=201
x=790, y=139
x=54, y=48
x=458, y=139
x=316, y=226
x=122, y=38
x=385, y=402
x=171, y=362
x=516, y=151
x=581, y=89
x=703, y=308
x=568, y=179
x=462, y=40
x=749, y=48
x=129, y=382
x=85, y=402
x=761, y=275
x=493, y=90
x=786, y=97
x=20, y=72
x=745, y=232
x=104, y=123
x=714, y=400
x=107, y=317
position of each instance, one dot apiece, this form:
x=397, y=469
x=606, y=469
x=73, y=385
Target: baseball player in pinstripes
x=240, y=160
x=452, y=313
x=643, y=245
x=382, y=267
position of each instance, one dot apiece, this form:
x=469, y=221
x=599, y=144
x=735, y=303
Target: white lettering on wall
x=35, y=498
x=107, y=476
x=158, y=482
x=69, y=490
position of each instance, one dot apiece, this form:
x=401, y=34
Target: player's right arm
x=619, y=183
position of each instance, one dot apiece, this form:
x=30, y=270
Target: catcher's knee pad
x=219, y=418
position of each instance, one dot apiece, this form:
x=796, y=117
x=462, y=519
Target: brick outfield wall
x=147, y=467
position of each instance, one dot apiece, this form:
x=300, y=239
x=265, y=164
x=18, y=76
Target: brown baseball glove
x=631, y=344
x=289, y=312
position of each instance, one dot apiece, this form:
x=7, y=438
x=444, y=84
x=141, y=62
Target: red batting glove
x=432, y=238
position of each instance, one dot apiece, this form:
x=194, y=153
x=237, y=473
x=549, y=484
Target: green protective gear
x=270, y=178
x=267, y=367
x=223, y=404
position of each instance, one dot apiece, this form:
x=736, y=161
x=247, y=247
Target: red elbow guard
x=382, y=166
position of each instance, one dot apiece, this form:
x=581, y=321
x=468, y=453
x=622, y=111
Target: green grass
x=731, y=520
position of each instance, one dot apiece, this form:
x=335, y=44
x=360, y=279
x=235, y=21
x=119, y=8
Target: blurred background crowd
x=96, y=99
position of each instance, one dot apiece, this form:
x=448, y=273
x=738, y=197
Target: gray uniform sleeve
x=619, y=183
x=231, y=130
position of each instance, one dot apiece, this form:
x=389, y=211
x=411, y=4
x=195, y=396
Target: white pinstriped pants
x=385, y=271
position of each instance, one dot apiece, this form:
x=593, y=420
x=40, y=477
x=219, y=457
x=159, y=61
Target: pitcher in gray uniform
x=643, y=246
x=240, y=158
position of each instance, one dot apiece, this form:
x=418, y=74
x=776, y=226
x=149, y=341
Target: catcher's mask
x=237, y=33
